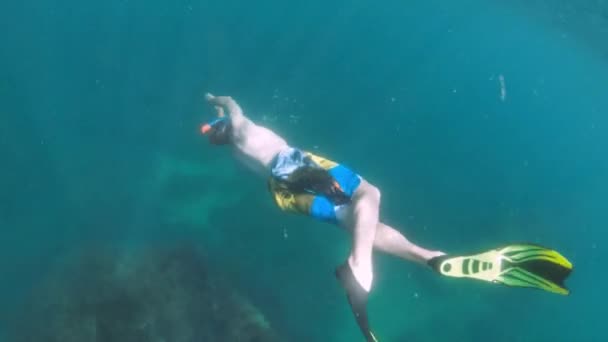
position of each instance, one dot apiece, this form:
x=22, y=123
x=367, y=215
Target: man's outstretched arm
x=234, y=110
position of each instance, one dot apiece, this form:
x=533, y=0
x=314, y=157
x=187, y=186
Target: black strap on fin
x=436, y=261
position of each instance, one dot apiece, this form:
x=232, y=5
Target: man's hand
x=213, y=101
x=222, y=103
x=220, y=111
x=209, y=97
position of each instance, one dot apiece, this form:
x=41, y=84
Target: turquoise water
x=102, y=102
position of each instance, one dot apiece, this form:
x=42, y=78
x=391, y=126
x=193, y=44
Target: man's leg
x=365, y=211
x=356, y=274
x=391, y=241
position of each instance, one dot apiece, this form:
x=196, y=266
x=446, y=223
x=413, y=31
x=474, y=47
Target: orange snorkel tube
x=218, y=130
x=205, y=128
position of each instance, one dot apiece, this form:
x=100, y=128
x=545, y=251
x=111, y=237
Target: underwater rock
x=152, y=295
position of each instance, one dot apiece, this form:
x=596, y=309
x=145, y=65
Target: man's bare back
x=254, y=145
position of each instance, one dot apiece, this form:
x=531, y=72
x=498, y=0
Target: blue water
x=102, y=102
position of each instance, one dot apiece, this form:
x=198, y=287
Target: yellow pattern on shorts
x=322, y=162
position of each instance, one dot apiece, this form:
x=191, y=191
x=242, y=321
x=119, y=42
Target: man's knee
x=374, y=192
x=370, y=192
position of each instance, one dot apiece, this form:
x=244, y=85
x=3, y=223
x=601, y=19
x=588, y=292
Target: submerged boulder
x=164, y=294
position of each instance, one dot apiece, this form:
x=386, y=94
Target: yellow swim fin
x=521, y=265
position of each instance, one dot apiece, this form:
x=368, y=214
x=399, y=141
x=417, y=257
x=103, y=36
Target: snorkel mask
x=218, y=131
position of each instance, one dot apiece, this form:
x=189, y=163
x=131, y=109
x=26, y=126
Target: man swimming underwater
x=304, y=183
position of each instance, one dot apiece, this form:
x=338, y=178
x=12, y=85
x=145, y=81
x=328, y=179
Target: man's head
x=219, y=131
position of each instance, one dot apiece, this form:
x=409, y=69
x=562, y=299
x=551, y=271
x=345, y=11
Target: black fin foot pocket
x=357, y=298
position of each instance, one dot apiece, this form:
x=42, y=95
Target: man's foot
x=362, y=273
x=435, y=254
x=433, y=258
